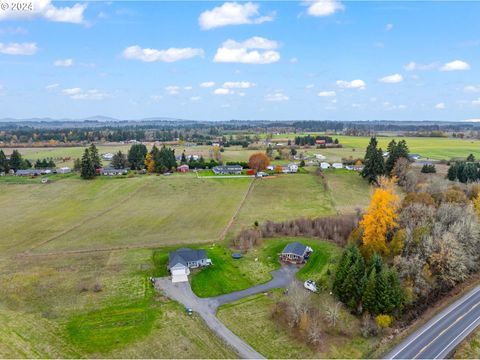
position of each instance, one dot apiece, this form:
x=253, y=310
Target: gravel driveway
x=207, y=307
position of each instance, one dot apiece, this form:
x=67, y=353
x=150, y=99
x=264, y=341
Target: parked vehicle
x=310, y=285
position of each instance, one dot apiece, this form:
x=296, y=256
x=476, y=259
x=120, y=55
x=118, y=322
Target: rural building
x=296, y=253
x=350, y=167
x=320, y=142
x=29, y=172
x=290, y=168
x=183, y=168
x=325, y=165
x=113, y=172
x=270, y=167
x=320, y=157
x=337, y=165
x=181, y=260
x=227, y=170
x=64, y=170
x=414, y=156
x=107, y=156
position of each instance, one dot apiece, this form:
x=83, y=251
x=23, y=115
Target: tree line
x=18, y=162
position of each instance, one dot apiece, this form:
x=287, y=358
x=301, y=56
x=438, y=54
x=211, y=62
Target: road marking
x=474, y=324
x=445, y=330
x=436, y=321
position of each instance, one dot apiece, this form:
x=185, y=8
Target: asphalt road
x=439, y=337
x=207, y=307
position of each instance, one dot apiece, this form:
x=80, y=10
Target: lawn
x=95, y=305
x=227, y=275
x=251, y=319
x=284, y=197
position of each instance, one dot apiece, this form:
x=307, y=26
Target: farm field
x=251, y=319
x=98, y=305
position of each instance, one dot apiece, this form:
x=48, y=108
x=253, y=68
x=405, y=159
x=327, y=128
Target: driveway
x=207, y=307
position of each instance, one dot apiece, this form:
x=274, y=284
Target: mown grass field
x=251, y=319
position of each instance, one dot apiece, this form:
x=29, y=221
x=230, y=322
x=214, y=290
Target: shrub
x=429, y=169
x=384, y=321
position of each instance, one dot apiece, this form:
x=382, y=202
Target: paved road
x=207, y=307
x=439, y=337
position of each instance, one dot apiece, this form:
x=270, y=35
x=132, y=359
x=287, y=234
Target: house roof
x=295, y=248
x=184, y=255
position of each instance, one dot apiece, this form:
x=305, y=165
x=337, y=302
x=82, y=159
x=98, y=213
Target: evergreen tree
x=87, y=166
x=342, y=271
x=51, y=164
x=16, y=161
x=77, y=165
x=470, y=172
x=369, y=298
x=183, y=160
x=471, y=158
x=383, y=293
x=396, y=292
x=119, y=161
x=395, y=152
x=136, y=156
x=3, y=162
x=374, y=165
x=95, y=157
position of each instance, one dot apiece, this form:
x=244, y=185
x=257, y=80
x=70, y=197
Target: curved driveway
x=207, y=307
x=439, y=337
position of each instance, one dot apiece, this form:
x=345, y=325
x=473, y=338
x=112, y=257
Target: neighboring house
x=107, y=156
x=113, y=172
x=320, y=157
x=270, y=167
x=183, y=168
x=181, y=260
x=350, y=167
x=358, y=167
x=227, y=170
x=320, y=142
x=414, y=156
x=296, y=253
x=64, y=170
x=29, y=172
x=324, y=165
x=337, y=165
x=290, y=168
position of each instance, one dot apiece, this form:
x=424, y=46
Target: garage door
x=179, y=278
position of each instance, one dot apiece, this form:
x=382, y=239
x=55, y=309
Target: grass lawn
x=284, y=197
x=349, y=191
x=49, y=308
x=251, y=319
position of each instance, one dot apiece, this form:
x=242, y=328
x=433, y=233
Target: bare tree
x=298, y=300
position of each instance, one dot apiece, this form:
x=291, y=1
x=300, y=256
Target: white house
x=337, y=165
x=324, y=165
x=270, y=167
x=107, y=156
x=320, y=157
x=350, y=167
x=180, y=262
x=64, y=170
x=290, y=168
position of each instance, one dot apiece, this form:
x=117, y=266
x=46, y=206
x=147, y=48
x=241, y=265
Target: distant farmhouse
x=290, y=168
x=183, y=168
x=113, y=172
x=227, y=170
x=296, y=253
x=182, y=260
x=107, y=156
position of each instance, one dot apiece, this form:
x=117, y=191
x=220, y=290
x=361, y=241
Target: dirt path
x=224, y=233
x=206, y=308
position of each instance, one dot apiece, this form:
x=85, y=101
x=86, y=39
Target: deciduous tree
x=258, y=161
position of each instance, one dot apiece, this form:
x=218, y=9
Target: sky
x=261, y=60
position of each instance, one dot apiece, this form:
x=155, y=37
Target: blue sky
x=271, y=60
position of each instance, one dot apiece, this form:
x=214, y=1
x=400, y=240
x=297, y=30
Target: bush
x=429, y=169
x=384, y=321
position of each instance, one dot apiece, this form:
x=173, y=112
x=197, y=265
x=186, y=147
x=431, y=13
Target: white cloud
x=232, y=13
x=440, y=106
x=51, y=87
x=455, y=66
x=238, y=85
x=172, y=89
x=80, y=94
x=390, y=106
x=354, y=84
x=389, y=27
x=222, y=91
x=476, y=102
x=412, y=65
x=238, y=52
x=277, y=96
x=18, y=48
x=170, y=55
x=13, y=31
x=391, y=79
x=327, y=93
x=293, y=60
x=63, y=63
x=472, y=88
x=46, y=10
x=195, y=98
x=310, y=86
x=207, y=84
x=188, y=88
x=323, y=7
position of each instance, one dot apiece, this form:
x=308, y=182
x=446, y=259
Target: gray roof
x=184, y=255
x=228, y=167
x=295, y=248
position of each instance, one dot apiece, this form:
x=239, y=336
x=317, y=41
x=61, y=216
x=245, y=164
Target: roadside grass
x=95, y=305
x=284, y=197
x=349, y=191
x=227, y=275
x=469, y=348
x=251, y=319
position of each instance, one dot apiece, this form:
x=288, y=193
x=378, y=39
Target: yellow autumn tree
x=380, y=218
x=149, y=163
